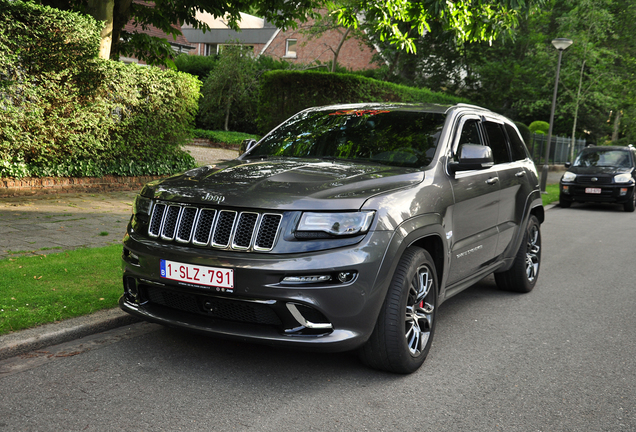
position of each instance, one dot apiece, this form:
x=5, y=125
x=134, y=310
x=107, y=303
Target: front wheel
x=564, y=202
x=523, y=274
x=630, y=205
x=403, y=333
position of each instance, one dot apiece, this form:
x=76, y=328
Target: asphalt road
x=561, y=358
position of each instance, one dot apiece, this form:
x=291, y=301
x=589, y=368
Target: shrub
x=539, y=127
x=73, y=114
x=284, y=93
x=197, y=65
x=229, y=93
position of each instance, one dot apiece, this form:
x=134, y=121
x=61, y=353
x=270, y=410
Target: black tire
x=630, y=205
x=404, y=331
x=564, y=202
x=522, y=276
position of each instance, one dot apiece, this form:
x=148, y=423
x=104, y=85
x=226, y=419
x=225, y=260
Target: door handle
x=492, y=180
x=520, y=174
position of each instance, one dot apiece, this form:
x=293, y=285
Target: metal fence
x=559, y=149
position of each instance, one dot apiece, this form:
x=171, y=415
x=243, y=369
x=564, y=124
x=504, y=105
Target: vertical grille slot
x=267, y=232
x=223, y=228
x=204, y=227
x=220, y=229
x=155, y=221
x=244, y=230
x=169, y=225
x=186, y=224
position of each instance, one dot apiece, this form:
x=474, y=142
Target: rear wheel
x=523, y=274
x=404, y=331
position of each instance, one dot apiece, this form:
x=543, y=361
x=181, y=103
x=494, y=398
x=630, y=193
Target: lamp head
x=562, y=43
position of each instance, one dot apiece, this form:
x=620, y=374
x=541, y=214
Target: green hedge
x=65, y=112
x=284, y=93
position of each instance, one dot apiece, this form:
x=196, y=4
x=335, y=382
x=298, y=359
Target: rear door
x=511, y=162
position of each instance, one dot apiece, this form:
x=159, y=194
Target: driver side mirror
x=568, y=164
x=472, y=157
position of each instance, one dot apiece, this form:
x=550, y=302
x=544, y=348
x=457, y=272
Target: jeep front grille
x=216, y=228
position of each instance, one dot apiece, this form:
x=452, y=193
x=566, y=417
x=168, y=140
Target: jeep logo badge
x=214, y=198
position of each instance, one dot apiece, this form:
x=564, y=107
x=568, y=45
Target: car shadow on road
x=263, y=364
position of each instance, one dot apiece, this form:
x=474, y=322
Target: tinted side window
x=497, y=141
x=517, y=148
x=470, y=133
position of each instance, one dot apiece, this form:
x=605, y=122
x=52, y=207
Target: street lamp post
x=561, y=44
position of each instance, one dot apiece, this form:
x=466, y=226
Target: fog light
x=566, y=189
x=131, y=290
x=345, y=277
x=623, y=191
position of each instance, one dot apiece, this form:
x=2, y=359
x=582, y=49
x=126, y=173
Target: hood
x=602, y=171
x=284, y=184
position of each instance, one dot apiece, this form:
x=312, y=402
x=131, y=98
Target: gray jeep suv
x=344, y=228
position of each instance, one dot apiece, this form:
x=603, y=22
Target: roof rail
x=465, y=105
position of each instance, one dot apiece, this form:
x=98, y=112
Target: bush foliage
x=284, y=93
x=65, y=112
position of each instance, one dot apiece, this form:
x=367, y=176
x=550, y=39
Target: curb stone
x=24, y=341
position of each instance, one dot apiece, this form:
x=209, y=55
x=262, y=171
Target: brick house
x=290, y=45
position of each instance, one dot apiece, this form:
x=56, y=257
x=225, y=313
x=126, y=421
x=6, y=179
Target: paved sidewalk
x=45, y=224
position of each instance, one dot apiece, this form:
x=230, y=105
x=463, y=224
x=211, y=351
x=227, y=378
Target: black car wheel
x=404, y=331
x=630, y=205
x=523, y=274
x=564, y=202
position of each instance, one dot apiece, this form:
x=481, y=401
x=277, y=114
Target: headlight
x=568, y=176
x=337, y=224
x=141, y=205
x=622, y=178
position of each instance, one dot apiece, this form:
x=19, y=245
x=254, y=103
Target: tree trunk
x=226, y=125
x=337, y=51
x=103, y=11
x=121, y=16
x=617, y=123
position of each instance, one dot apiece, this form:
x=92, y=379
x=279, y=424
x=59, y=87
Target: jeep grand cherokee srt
x=344, y=228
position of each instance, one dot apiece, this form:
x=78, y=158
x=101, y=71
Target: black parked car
x=344, y=228
x=600, y=174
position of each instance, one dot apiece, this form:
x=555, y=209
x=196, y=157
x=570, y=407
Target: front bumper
x=329, y=316
x=610, y=193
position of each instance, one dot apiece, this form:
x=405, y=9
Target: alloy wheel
x=419, y=311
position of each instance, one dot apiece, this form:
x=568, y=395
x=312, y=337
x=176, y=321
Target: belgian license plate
x=593, y=190
x=200, y=275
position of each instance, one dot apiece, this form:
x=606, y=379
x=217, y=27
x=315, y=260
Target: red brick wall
x=353, y=54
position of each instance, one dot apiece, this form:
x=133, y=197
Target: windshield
x=603, y=158
x=391, y=137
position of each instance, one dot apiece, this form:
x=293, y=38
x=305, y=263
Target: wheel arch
x=434, y=245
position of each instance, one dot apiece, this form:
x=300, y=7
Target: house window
x=209, y=49
x=245, y=49
x=290, y=48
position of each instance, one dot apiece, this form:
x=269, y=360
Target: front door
x=475, y=212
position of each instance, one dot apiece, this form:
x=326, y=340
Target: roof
x=254, y=30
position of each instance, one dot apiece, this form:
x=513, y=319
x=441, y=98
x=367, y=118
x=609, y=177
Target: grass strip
x=36, y=290
x=551, y=195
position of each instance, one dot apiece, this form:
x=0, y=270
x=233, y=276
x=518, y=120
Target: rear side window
x=517, y=147
x=497, y=141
